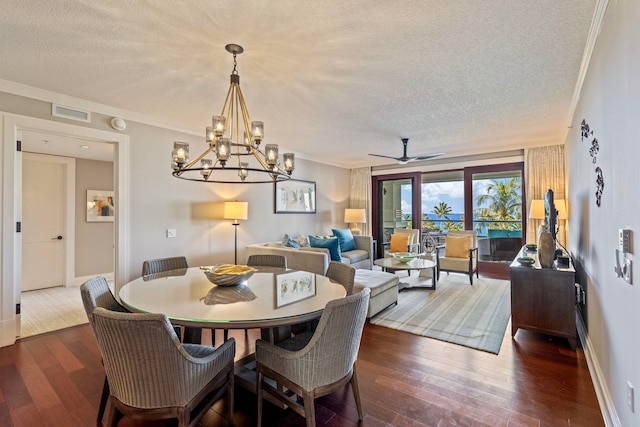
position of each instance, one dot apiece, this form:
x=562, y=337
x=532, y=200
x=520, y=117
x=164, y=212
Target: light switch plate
x=171, y=232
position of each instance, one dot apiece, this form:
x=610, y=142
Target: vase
x=546, y=250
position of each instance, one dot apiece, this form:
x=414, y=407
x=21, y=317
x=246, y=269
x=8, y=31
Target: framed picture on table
x=295, y=196
x=100, y=206
x=293, y=287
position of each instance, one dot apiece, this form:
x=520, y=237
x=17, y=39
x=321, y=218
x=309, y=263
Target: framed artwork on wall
x=100, y=207
x=295, y=196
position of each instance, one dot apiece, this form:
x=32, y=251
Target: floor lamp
x=236, y=211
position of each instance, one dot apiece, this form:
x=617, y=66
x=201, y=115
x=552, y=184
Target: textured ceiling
x=332, y=80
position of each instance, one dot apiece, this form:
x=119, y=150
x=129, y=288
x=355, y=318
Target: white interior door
x=43, y=222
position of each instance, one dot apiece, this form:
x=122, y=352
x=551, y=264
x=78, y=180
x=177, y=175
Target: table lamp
x=236, y=211
x=536, y=211
x=355, y=217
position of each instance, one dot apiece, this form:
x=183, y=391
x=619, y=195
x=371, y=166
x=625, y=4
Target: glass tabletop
x=267, y=299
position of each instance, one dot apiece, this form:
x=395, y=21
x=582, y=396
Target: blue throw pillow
x=345, y=238
x=330, y=243
x=289, y=242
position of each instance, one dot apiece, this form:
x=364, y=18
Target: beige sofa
x=317, y=260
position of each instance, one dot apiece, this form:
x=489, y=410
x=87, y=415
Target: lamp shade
x=236, y=210
x=536, y=211
x=355, y=216
x=561, y=207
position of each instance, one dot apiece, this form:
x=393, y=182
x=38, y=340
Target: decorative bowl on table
x=404, y=257
x=526, y=261
x=228, y=274
x=531, y=247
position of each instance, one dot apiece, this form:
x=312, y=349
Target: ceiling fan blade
x=430, y=156
x=386, y=157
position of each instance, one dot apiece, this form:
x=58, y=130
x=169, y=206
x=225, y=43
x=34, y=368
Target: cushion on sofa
x=356, y=255
x=330, y=243
x=345, y=238
x=289, y=242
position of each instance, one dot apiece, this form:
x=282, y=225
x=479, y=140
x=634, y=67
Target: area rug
x=473, y=316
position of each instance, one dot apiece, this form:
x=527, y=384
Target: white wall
x=610, y=104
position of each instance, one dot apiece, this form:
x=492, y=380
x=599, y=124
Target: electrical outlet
x=630, y=396
x=171, y=232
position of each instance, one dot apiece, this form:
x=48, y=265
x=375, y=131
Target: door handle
x=57, y=238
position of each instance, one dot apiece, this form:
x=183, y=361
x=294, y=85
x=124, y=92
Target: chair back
x=333, y=348
x=153, y=266
x=96, y=293
x=266, y=260
x=142, y=359
x=342, y=273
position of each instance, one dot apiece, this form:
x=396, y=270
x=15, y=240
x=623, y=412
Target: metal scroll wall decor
x=587, y=133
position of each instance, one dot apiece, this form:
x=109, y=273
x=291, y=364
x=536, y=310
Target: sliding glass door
x=487, y=199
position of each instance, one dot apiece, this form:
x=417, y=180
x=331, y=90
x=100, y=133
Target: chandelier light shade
x=233, y=153
x=355, y=217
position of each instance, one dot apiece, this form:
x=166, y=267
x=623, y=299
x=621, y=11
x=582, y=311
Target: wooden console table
x=543, y=299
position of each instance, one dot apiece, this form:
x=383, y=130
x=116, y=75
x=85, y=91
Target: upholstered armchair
x=459, y=253
x=403, y=240
x=153, y=376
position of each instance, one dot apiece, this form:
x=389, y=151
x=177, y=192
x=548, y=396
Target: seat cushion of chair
x=377, y=281
x=457, y=264
x=355, y=255
x=297, y=342
x=198, y=351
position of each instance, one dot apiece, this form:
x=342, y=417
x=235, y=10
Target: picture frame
x=294, y=286
x=295, y=196
x=100, y=206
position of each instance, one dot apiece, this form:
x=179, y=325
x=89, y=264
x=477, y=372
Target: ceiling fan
x=406, y=159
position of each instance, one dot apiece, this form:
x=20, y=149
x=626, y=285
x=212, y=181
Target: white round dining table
x=269, y=298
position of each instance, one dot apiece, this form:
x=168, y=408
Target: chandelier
x=233, y=154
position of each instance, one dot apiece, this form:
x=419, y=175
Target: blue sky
x=452, y=193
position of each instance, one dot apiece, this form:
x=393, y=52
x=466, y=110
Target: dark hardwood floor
x=55, y=379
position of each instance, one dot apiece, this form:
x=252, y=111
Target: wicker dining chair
x=342, y=273
x=96, y=293
x=153, y=376
x=314, y=364
x=155, y=267
x=266, y=260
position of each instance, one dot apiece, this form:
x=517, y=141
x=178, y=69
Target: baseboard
x=77, y=281
x=605, y=401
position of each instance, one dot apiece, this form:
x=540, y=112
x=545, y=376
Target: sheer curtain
x=360, y=195
x=543, y=170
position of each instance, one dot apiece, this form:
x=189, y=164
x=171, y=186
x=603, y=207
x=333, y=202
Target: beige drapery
x=360, y=195
x=544, y=170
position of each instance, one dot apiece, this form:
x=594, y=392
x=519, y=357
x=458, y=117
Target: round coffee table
x=392, y=264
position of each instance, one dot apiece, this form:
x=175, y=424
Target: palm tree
x=504, y=202
x=442, y=210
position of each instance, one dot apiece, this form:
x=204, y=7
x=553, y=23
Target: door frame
x=376, y=187
x=69, y=231
x=11, y=160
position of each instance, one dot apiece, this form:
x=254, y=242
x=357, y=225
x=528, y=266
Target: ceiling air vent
x=70, y=113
